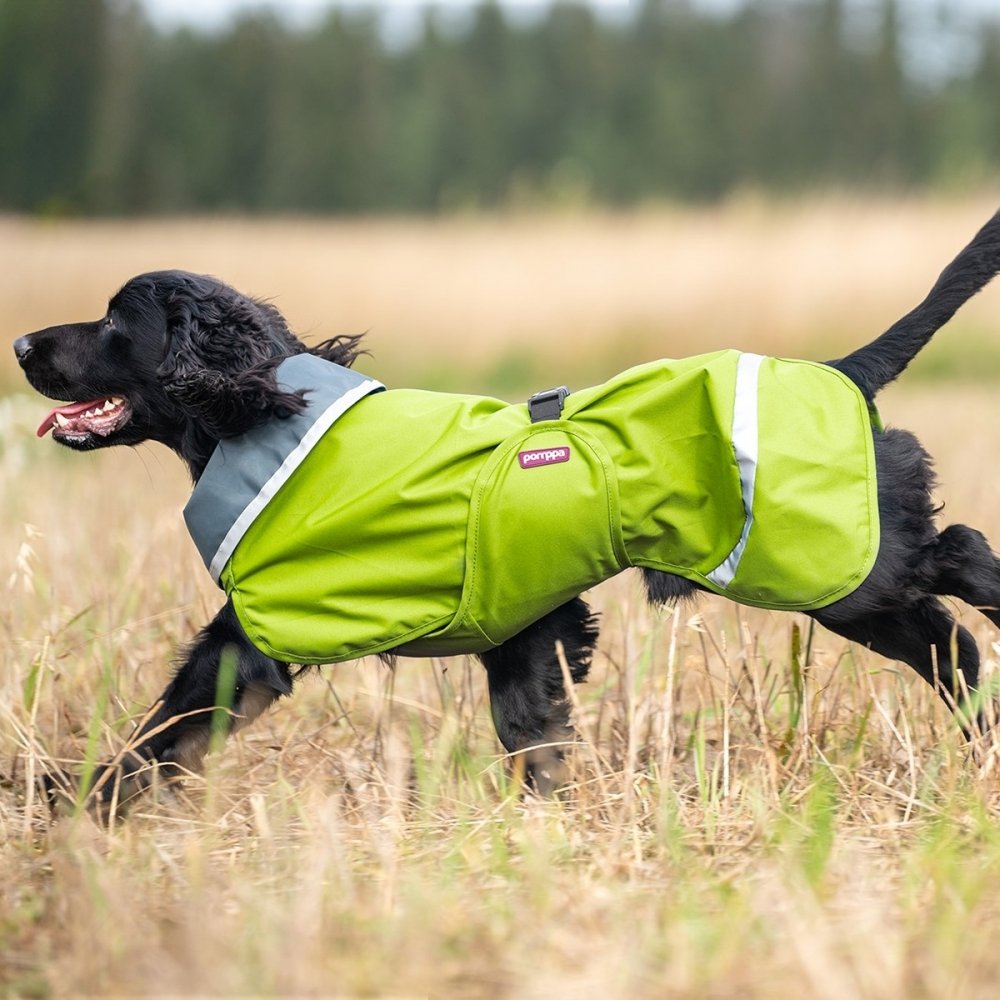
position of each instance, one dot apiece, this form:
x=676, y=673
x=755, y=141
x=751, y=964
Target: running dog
x=342, y=519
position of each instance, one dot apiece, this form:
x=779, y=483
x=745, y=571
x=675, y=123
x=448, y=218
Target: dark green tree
x=101, y=113
x=52, y=60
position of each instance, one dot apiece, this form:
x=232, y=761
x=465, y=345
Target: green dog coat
x=433, y=524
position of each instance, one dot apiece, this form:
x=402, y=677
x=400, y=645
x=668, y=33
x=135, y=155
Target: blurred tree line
x=103, y=114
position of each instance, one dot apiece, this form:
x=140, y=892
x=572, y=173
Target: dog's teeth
x=117, y=400
x=61, y=420
x=109, y=405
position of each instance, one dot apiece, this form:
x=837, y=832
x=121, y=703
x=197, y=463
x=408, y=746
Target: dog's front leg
x=223, y=684
x=527, y=690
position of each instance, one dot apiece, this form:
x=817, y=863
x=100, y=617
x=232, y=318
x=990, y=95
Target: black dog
x=186, y=360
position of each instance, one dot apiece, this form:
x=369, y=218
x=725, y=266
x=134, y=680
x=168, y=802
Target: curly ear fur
x=222, y=351
x=343, y=350
x=231, y=406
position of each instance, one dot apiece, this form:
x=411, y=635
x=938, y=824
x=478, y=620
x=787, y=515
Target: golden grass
x=729, y=831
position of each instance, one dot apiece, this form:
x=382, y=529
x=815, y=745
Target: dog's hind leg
x=962, y=564
x=923, y=635
x=527, y=692
x=177, y=734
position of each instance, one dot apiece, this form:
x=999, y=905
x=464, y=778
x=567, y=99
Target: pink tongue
x=71, y=410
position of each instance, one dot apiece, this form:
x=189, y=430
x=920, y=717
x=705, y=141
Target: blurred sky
x=216, y=12
x=936, y=33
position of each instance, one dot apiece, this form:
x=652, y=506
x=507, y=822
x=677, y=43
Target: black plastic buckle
x=547, y=404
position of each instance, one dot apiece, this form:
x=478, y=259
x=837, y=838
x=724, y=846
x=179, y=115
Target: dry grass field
x=758, y=810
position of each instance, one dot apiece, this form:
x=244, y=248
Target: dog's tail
x=875, y=365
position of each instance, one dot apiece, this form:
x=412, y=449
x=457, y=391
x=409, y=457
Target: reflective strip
x=745, y=447
x=292, y=461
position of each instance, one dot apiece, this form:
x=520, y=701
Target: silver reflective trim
x=745, y=447
x=280, y=476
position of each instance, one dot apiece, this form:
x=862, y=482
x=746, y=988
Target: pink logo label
x=543, y=456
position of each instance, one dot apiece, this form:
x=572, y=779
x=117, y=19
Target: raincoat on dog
x=432, y=523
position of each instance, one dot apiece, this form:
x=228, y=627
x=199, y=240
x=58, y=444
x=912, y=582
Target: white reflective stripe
x=745, y=446
x=280, y=476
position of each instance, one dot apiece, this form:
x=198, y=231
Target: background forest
x=103, y=113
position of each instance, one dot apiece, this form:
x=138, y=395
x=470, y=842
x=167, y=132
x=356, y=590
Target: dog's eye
x=109, y=323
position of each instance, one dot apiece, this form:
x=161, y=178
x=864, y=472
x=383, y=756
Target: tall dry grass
x=757, y=809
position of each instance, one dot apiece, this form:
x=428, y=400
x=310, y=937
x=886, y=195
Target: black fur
x=195, y=361
x=527, y=688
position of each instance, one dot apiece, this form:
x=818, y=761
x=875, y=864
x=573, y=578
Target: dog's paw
x=545, y=771
x=115, y=787
x=57, y=790
x=109, y=791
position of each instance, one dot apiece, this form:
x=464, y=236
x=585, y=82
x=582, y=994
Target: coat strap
x=547, y=404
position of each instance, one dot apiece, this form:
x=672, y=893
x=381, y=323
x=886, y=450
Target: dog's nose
x=22, y=348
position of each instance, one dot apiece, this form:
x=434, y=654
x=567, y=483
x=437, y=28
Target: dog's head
x=179, y=358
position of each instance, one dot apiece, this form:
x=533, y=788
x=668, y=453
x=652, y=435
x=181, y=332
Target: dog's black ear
x=228, y=405
x=221, y=356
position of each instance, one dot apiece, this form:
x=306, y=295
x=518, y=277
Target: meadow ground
x=757, y=809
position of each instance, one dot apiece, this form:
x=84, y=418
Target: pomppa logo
x=543, y=456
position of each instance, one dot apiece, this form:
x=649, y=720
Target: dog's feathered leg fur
x=961, y=564
x=179, y=730
x=527, y=691
x=926, y=636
